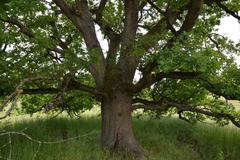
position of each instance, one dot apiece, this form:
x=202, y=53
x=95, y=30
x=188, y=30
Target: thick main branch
x=155, y=77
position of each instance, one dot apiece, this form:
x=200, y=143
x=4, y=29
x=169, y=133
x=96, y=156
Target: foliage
x=37, y=38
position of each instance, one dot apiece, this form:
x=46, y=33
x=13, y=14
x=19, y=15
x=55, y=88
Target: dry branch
x=46, y=142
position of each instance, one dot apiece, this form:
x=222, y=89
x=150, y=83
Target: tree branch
x=67, y=84
x=156, y=7
x=217, y=89
x=192, y=15
x=167, y=103
x=81, y=17
x=66, y=9
x=40, y=91
x=114, y=37
x=15, y=95
x=194, y=8
x=27, y=31
x=163, y=24
x=155, y=77
x=227, y=10
x=23, y=29
x=217, y=45
x=185, y=107
x=139, y=103
x=74, y=85
x=100, y=9
x=130, y=22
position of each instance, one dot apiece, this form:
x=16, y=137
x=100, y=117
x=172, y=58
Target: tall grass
x=164, y=139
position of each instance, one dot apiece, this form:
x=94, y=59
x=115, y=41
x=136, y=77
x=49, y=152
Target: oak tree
x=165, y=56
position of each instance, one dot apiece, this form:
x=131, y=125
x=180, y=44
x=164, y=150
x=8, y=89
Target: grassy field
x=163, y=139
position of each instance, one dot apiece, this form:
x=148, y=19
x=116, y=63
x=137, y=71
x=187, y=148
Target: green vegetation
x=163, y=139
x=164, y=56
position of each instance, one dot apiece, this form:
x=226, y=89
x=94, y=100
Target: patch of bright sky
x=103, y=41
x=230, y=27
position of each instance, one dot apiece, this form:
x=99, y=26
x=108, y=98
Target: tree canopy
x=51, y=55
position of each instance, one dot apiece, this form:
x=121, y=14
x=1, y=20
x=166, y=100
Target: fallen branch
x=39, y=142
x=46, y=142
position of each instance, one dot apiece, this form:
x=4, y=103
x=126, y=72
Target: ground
x=163, y=139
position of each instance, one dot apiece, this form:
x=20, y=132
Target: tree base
x=117, y=133
x=136, y=152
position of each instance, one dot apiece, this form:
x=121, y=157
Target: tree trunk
x=117, y=133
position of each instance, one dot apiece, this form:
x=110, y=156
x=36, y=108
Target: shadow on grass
x=164, y=139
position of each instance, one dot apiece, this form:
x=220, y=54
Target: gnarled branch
x=166, y=103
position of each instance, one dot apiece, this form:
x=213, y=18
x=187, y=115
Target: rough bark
x=117, y=132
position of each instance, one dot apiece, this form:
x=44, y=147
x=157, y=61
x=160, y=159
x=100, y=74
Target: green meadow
x=65, y=138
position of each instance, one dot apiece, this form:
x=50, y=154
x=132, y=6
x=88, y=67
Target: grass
x=236, y=104
x=163, y=139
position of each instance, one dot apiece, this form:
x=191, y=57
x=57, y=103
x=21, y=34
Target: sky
x=230, y=27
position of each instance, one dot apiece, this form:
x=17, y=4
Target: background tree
x=51, y=53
